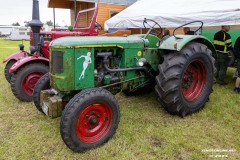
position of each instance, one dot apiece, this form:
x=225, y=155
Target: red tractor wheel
x=6, y=69
x=194, y=80
x=42, y=84
x=25, y=79
x=185, y=79
x=89, y=119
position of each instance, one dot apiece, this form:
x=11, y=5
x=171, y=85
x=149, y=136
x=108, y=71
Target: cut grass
x=145, y=131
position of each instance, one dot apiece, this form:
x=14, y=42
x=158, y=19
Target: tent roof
x=174, y=13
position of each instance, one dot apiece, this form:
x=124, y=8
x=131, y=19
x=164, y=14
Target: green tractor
x=86, y=72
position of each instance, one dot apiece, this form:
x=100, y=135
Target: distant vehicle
x=5, y=30
x=23, y=69
x=21, y=33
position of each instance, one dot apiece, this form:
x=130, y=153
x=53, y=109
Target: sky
x=12, y=11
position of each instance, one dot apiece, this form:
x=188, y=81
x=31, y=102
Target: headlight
x=141, y=62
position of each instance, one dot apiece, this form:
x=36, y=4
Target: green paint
x=183, y=40
x=84, y=78
x=107, y=79
x=153, y=56
x=210, y=34
x=82, y=68
x=126, y=42
x=58, y=80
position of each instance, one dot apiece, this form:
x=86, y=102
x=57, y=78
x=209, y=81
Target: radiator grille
x=57, y=62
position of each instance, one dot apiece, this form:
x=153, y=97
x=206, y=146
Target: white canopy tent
x=173, y=13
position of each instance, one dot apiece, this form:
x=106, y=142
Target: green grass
x=145, y=130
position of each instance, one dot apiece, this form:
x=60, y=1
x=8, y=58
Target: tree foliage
x=16, y=24
x=49, y=23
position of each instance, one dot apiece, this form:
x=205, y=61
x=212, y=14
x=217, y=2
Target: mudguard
x=177, y=44
x=25, y=60
x=16, y=56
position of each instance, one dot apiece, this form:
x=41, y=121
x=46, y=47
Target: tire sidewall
x=7, y=74
x=42, y=84
x=74, y=111
x=22, y=73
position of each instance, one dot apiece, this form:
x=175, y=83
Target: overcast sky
x=12, y=11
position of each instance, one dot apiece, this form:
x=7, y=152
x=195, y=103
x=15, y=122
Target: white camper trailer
x=6, y=30
x=21, y=33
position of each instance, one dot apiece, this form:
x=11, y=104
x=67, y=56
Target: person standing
x=187, y=31
x=166, y=34
x=223, y=43
x=237, y=52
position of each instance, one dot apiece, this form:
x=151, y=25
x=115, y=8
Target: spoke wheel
x=152, y=24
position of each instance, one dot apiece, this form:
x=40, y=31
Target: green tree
x=16, y=24
x=49, y=23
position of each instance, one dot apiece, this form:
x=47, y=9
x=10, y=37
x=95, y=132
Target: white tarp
x=173, y=13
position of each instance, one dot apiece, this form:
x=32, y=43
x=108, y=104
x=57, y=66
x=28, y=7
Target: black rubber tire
x=42, y=84
x=169, y=80
x=6, y=70
x=231, y=59
x=19, y=75
x=75, y=106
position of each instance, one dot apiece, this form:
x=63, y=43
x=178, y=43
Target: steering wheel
x=152, y=30
x=98, y=26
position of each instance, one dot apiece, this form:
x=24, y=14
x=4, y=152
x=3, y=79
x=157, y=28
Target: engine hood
x=99, y=41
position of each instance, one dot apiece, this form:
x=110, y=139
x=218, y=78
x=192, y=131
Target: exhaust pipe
x=35, y=23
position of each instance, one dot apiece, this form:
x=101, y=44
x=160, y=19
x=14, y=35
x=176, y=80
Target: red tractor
x=23, y=69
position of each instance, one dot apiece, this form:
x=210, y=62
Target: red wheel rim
x=30, y=81
x=94, y=122
x=194, y=80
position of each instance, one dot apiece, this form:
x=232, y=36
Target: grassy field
x=145, y=130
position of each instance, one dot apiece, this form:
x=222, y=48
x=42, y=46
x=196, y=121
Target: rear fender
x=20, y=63
x=16, y=56
x=175, y=44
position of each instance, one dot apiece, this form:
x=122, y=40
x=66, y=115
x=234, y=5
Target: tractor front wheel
x=89, y=119
x=25, y=79
x=6, y=69
x=42, y=84
x=185, y=79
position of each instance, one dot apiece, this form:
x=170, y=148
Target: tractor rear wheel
x=89, y=119
x=6, y=69
x=25, y=79
x=185, y=79
x=42, y=84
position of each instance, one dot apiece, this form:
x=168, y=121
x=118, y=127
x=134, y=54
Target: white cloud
x=12, y=11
